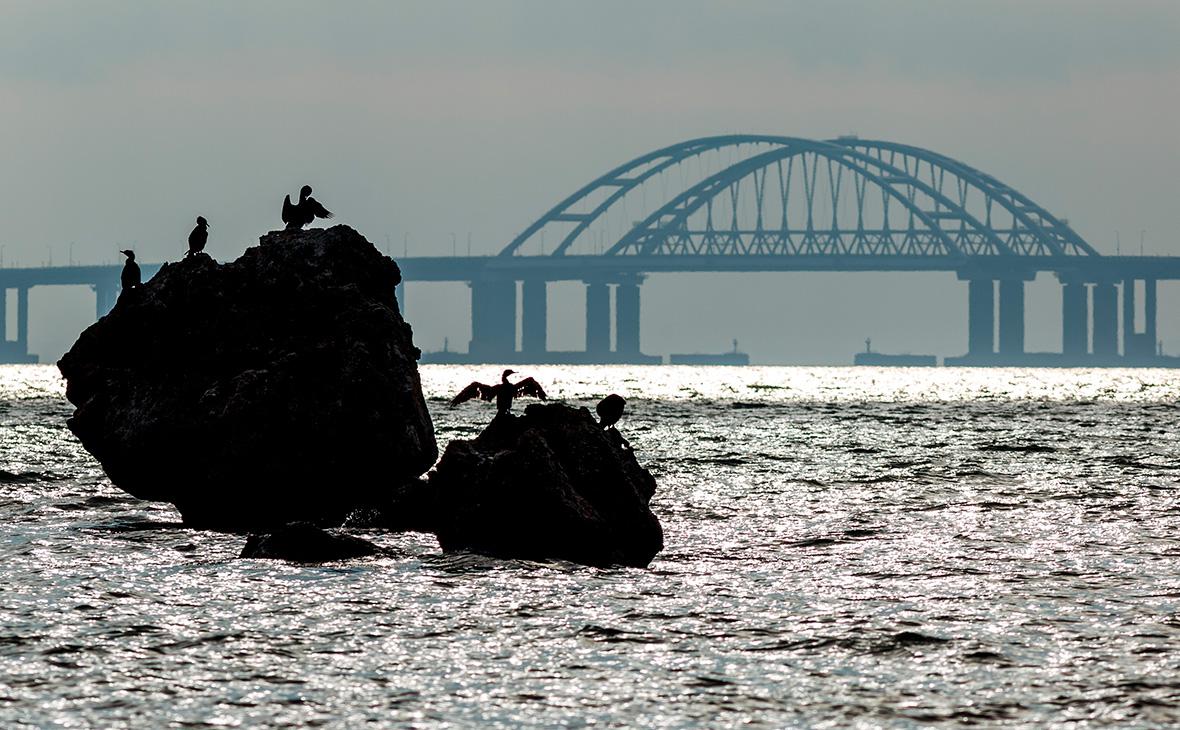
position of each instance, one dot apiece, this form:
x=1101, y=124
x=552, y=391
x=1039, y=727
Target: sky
x=423, y=123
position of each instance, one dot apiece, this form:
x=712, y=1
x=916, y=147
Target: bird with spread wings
x=503, y=392
x=299, y=214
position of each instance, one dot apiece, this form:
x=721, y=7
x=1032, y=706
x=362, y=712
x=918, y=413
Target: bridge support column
x=1011, y=316
x=597, y=318
x=1075, y=320
x=1106, y=320
x=493, y=319
x=627, y=318
x=1149, y=310
x=105, y=295
x=981, y=311
x=22, y=320
x=15, y=350
x=1139, y=345
x=1130, y=341
x=534, y=317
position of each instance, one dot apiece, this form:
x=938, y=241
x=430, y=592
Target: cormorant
x=130, y=278
x=503, y=393
x=305, y=211
x=197, y=239
x=610, y=410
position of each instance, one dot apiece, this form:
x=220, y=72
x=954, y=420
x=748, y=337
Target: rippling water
x=845, y=547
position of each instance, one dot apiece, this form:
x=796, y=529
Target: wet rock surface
x=279, y=387
x=303, y=542
x=549, y=484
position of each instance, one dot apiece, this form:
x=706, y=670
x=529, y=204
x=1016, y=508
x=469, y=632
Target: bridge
x=765, y=203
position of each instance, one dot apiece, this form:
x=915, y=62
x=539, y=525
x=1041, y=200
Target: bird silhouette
x=130, y=278
x=197, y=239
x=305, y=211
x=502, y=393
x=610, y=410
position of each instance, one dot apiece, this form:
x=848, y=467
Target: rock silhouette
x=279, y=387
x=549, y=484
x=302, y=542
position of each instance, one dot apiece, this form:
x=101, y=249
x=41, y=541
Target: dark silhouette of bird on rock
x=130, y=278
x=610, y=410
x=197, y=239
x=305, y=211
x=502, y=393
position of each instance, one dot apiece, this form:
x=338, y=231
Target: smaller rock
x=549, y=484
x=303, y=542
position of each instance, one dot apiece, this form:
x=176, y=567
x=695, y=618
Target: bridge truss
x=763, y=195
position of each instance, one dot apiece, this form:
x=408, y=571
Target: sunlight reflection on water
x=845, y=547
x=828, y=384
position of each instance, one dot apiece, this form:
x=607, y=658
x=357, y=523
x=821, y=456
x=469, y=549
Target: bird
x=502, y=393
x=305, y=211
x=197, y=239
x=610, y=410
x=130, y=278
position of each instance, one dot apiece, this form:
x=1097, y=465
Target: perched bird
x=305, y=211
x=502, y=393
x=610, y=410
x=197, y=239
x=130, y=278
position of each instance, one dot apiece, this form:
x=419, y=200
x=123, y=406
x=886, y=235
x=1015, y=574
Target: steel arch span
x=767, y=195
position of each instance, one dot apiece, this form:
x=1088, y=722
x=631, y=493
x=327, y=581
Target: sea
x=844, y=548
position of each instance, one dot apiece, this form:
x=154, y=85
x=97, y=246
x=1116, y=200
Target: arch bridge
x=758, y=203
x=775, y=203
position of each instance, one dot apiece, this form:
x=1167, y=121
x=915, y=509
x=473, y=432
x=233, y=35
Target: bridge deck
x=572, y=268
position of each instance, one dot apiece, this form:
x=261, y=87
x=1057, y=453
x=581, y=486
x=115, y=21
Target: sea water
x=845, y=547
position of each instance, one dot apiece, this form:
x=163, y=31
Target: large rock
x=282, y=386
x=549, y=484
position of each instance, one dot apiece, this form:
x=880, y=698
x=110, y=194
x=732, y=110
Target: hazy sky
x=123, y=121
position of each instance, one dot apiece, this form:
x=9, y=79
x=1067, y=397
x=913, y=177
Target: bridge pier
x=1106, y=320
x=981, y=312
x=534, y=317
x=22, y=319
x=597, y=318
x=493, y=319
x=1149, y=320
x=1129, y=341
x=1011, y=316
x=1075, y=320
x=1139, y=345
x=106, y=293
x=627, y=317
x=16, y=350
